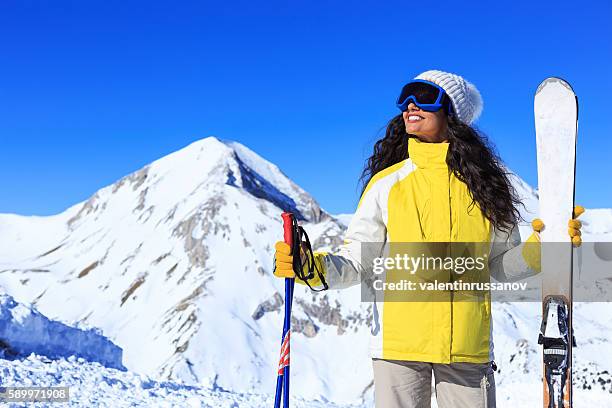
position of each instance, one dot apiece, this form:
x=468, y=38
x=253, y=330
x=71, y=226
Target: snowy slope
x=37, y=351
x=173, y=263
x=93, y=385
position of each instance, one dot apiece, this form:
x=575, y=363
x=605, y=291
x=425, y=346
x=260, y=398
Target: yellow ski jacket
x=421, y=200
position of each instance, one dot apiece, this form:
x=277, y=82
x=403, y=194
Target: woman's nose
x=412, y=106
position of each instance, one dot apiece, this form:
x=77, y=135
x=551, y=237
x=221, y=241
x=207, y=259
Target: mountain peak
x=205, y=167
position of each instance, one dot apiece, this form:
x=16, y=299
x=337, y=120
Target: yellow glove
x=531, y=250
x=574, y=226
x=284, y=260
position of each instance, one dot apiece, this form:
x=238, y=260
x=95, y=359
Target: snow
x=597, y=222
x=345, y=219
x=39, y=352
x=94, y=385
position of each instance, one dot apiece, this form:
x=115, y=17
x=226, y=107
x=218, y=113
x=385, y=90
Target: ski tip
x=554, y=80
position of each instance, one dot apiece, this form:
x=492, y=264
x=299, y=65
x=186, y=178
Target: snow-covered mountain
x=174, y=264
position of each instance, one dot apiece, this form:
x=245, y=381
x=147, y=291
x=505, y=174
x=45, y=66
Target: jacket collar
x=427, y=155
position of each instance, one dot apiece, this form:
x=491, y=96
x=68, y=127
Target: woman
x=432, y=178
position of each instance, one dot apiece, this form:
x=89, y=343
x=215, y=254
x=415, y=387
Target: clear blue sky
x=93, y=90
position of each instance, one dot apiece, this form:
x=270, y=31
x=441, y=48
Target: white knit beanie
x=466, y=99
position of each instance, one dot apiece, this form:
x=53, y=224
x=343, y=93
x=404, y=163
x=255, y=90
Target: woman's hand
x=531, y=251
x=284, y=260
x=573, y=227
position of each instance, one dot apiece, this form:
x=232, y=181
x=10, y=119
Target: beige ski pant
x=407, y=384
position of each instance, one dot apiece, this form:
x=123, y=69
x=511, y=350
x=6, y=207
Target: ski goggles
x=424, y=94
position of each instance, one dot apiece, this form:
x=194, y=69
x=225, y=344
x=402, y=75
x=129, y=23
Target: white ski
x=556, y=122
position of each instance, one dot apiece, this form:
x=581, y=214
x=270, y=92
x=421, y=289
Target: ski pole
x=282, y=381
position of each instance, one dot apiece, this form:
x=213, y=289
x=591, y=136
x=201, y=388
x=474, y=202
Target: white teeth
x=415, y=118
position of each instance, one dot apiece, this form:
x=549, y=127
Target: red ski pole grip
x=288, y=228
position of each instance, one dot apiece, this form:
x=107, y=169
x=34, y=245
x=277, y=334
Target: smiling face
x=428, y=126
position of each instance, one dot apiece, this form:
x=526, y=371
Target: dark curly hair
x=471, y=158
